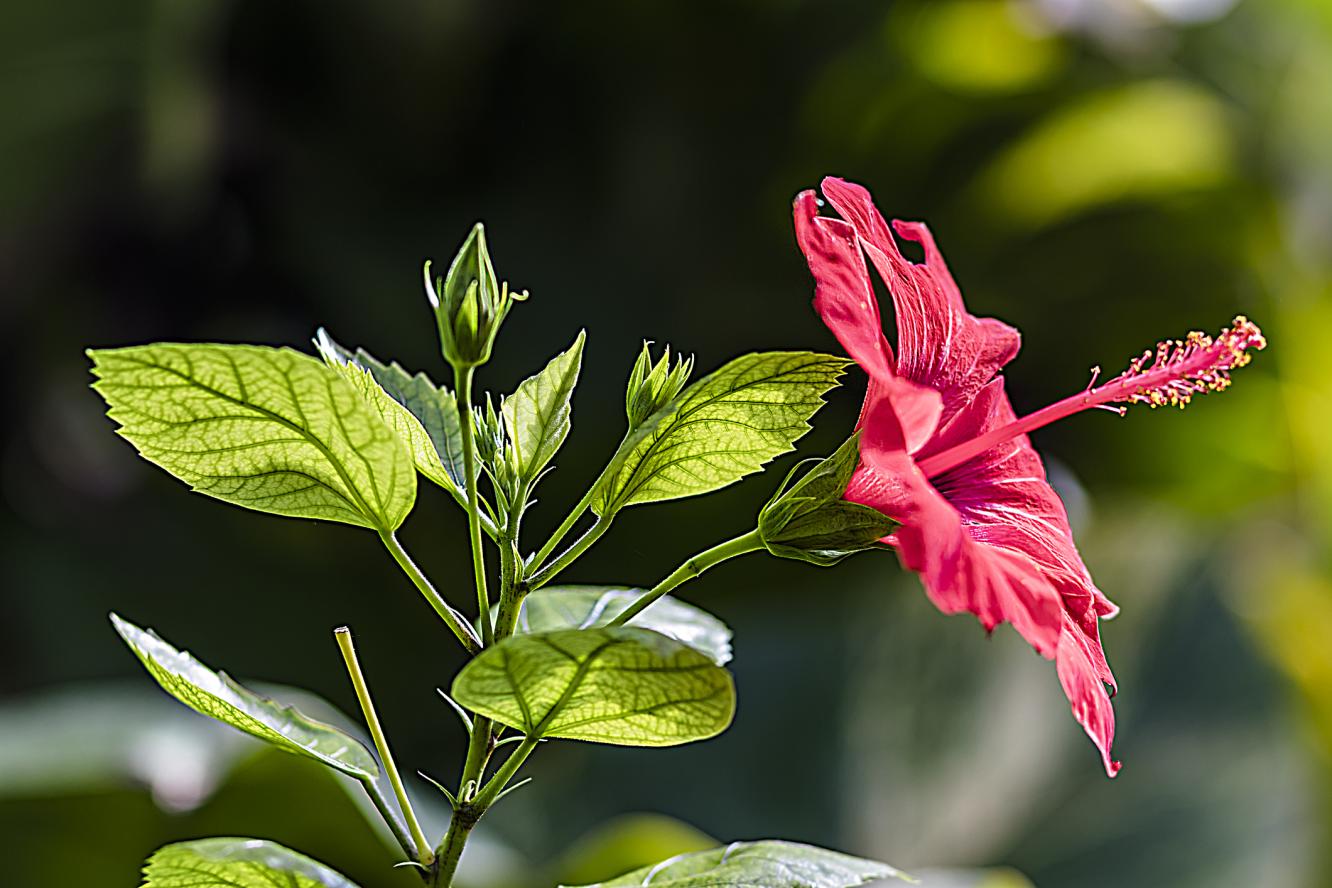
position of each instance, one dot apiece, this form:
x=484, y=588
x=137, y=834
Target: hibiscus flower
x=943, y=453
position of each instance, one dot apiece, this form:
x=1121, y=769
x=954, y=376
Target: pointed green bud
x=654, y=385
x=809, y=520
x=489, y=425
x=469, y=302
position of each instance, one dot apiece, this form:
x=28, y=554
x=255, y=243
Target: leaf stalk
x=343, y=635
x=456, y=622
x=579, y=546
x=574, y=514
x=395, y=824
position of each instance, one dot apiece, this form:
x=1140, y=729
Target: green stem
x=577, y=512
x=463, y=383
x=391, y=817
x=581, y=545
x=450, y=851
x=486, y=797
x=424, y=855
x=749, y=542
x=481, y=743
x=454, y=620
x=466, y=816
x=511, y=597
x=487, y=525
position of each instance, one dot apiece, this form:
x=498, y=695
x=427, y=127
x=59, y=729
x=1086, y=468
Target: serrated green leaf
x=766, y=864
x=217, y=695
x=265, y=428
x=431, y=425
x=720, y=429
x=537, y=413
x=236, y=863
x=624, y=686
x=584, y=607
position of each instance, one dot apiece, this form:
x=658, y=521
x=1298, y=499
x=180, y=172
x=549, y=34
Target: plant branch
x=343, y=634
x=570, y=520
x=487, y=524
x=465, y=817
x=463, y=383
x=481, y=741
x=391, y=817
x=749, y=542
x=454, y=620
x=571, y=554
x=491, y=791
x=450, y=851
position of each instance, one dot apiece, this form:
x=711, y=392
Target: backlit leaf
x=265, y=428
x=424, y=414
x=537, y=413
x=236, y=863
x=622, y=685
x=721, y=428
x=216, y=695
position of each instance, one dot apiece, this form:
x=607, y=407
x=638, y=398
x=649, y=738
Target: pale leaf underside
x=216, y=695
x=584, y=607
x=765, y=864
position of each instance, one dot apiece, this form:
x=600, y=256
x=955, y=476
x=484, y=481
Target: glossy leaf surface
x=623, y=686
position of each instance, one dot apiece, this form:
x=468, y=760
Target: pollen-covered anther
x=1178, y=369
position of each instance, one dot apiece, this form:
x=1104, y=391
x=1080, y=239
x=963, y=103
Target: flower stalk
x=694, y=567
x=463, y=378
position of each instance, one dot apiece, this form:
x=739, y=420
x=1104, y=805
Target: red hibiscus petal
x=843, y=295
x=1005, y=500
x=844, y=298
x=960, y=573
x=1079, y=664
x=939, y=343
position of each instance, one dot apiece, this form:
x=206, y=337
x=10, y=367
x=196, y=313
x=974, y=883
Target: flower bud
x=469, y=302
x=653, y=386
x=809, y=520
x=490, y=434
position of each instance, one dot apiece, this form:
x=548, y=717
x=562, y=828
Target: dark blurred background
x=1101, y=173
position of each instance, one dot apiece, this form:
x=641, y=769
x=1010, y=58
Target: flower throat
x=1169, y=376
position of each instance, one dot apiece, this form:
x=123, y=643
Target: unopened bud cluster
x=654, y=385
